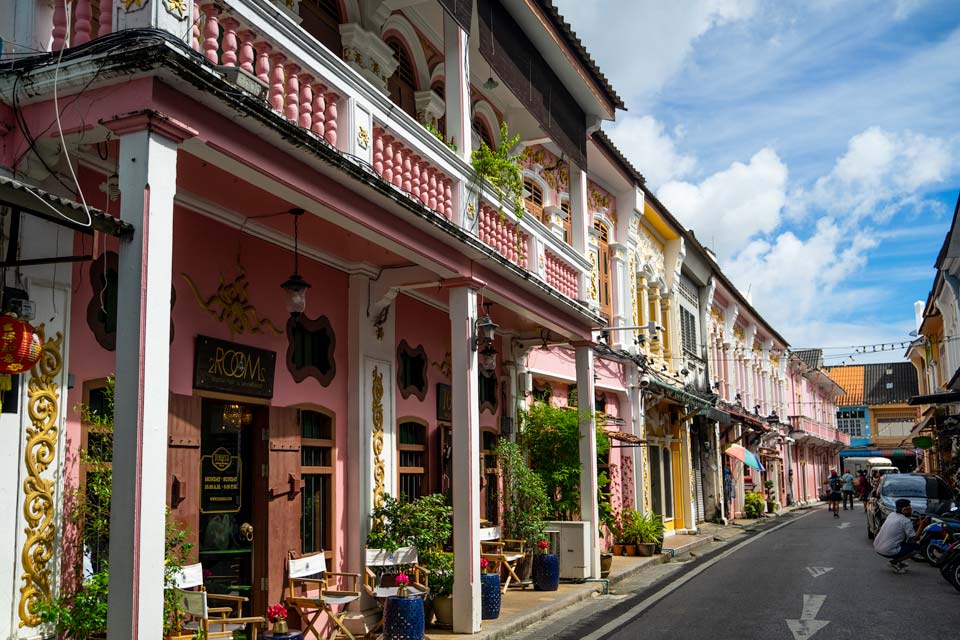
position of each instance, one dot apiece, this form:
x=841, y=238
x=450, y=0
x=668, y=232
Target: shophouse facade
x=243, y=142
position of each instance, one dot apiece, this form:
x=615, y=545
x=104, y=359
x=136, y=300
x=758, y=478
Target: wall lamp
x=484, y=333
x=295, y=286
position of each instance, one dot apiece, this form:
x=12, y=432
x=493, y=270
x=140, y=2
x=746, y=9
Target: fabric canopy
x=745, y=456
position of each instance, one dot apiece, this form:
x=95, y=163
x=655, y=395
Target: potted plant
x=771, y=499
x=441, y=585
x=753, y=505
x=628, y=534
x=546, y=568
x=606, y=563
x=525, y=502
x=490, y=596
x=277, y=616
x=647, y=531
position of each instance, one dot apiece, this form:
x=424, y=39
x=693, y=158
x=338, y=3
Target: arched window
x=321, y=19
x=437, y=89
x=412, y=454
x=533, y=199
x=567, y=222
x=483, y=132
x=603, y=269
x=402, y=85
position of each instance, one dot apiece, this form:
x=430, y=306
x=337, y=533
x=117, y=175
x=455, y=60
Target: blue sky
x=814, y=145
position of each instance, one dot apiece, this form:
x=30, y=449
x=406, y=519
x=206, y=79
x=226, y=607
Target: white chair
x=196, y=604
x=309, y=574
x=381, y=563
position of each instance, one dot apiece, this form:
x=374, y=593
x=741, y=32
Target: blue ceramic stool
x=403, y=618
x=546, y=572
x=490, y=596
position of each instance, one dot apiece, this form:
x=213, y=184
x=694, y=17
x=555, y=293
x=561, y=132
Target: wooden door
x=183, y=463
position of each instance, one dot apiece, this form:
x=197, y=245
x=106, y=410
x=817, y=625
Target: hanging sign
x=220, y=482
x=229, y=367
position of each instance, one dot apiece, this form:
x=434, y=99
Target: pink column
x=211, y=33
x=229, y=43
x=106, y=18
x=319, y=109
x=378, y=150
x=276, y=82
x=306, y=101
x=81, y=24
x=247, y=53
x=59, y=25
x=330, y=119
x=292, y=103
x=398, y=166
x=262, y=68
x=388, y=158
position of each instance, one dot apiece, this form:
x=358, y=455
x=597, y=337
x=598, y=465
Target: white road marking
x=808, y=625
x=816, y=572
x=843, y=525
x=624, y=618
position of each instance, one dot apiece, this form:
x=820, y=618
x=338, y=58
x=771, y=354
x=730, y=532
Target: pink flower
x=276, y=612
x=402, y=579
x=543, y=544
x=484, y=563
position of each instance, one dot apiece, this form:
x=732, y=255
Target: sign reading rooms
x=228, y=367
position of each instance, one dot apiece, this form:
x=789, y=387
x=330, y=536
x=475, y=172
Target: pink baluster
x=397, y=164
x=247, y=53
x=424, y=196
x=276, y=81
x=319, y=109
x=330, y=119
x=195, y=31
x=388, y=158
x=106, y=18
x=447, y=199
x=407, y=184
x=228, y=43
x=415, y=176
x=59, y=25
x=378, y=150
x=292, y=103
x=432, y=189
x=306, y=101
x=262, y=69
x=81, y=24
x=211, y=34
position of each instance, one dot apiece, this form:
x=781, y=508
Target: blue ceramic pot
x=403, y=618
x=546, y=572
x=490, y=596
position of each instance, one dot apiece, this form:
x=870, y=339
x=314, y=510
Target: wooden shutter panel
x=183, y=462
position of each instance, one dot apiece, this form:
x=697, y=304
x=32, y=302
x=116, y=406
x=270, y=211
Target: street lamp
x=295, y=286
x=484, y=333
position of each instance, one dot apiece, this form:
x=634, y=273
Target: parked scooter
x=937, y=537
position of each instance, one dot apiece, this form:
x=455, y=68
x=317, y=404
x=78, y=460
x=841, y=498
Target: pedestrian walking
x=847, y=490
x=897, y=538
x=863, y=487
x=835, y=484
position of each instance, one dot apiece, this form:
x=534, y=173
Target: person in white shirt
x=897, y=538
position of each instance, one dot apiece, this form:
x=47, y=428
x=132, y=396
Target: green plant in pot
x=441, y=585
x=525, y=502
x=647, y=532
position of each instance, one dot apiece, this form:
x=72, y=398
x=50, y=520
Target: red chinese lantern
x=19, y=345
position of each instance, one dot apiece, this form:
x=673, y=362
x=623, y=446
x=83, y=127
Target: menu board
x=220, y=482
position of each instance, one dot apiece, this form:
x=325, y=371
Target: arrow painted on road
x=808, y=625
x=843, y=525
x=816, y=572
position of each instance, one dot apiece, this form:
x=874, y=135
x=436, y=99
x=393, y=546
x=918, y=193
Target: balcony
x=818, y=430
x=261, y=49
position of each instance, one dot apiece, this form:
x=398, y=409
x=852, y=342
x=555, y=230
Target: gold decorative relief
x=445, y=367
x=363, y=138
x=231, y=305
x=597, y=200
x=593, y=276
x=38, y=506
x=133, y=5
x=176, y=8
x=471, y=211
x=376, y=407
x=633, y=292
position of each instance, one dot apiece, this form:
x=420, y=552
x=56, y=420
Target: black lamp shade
x=296, y=288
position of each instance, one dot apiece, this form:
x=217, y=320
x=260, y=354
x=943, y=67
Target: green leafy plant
x=645, y=528
x=439, y=136
x=502, y=170
x=525, y=502
x=754, y=504
x=440, y=564
x=551, y=439
x=424, y=523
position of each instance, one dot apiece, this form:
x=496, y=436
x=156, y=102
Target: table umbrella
x=745, y=456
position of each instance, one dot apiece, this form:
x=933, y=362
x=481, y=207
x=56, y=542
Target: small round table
x=291, y=634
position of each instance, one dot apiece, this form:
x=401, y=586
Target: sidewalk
x=522, y=608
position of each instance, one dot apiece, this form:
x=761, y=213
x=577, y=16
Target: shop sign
x=444, y=403
x=220, y=482
x=229, y=367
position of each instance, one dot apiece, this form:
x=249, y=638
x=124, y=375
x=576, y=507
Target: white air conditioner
x=571, y=542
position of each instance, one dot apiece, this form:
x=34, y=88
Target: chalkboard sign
x=229, y=367
x=444, y=403
x=220, y=482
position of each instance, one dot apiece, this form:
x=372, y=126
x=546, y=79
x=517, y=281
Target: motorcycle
x=950, y=564
x=937, y=537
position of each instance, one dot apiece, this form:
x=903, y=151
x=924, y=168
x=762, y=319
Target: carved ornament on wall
x=376, y=407
x=231, y=305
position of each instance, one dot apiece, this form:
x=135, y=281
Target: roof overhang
x=946, y=397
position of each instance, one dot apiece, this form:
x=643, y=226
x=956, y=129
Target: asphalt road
x=752, y=588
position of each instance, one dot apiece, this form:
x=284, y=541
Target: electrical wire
x=63, y=144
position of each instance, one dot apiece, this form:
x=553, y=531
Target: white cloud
x=731, y=207
x=647, y=145
x=881, y=173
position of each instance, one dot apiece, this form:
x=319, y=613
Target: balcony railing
x=822, y=431
x=268, y=54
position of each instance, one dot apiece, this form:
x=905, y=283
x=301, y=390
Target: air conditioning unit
x=572, y=544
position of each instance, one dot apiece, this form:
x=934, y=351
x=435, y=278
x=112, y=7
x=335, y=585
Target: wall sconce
x=484, y=334
x=295, y=286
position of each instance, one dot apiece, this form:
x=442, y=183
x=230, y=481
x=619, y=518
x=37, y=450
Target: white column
x=589, y=509
x=148, y=169
x=466, y=460
x=635, y=396
x=456, y=88
x=578, y=223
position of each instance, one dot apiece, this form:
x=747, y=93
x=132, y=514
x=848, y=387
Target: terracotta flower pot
x=630, y=549
x=606, y=561
x=617, y=549
x=646, y=549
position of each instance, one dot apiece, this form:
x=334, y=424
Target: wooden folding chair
x=506, y=553
x=380, y=563
x=195, y=602
x=308, y=574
